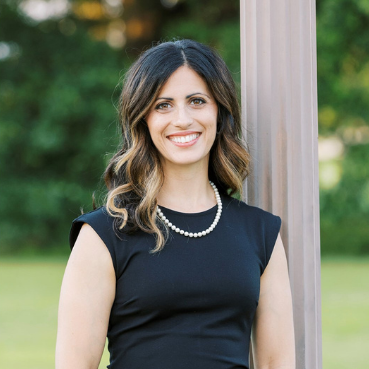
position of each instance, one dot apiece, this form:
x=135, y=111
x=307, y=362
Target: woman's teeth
x=184, y=139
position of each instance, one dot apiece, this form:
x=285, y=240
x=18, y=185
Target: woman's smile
x=184, y=139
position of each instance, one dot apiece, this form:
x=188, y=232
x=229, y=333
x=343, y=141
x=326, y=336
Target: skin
x=185, y=105
x=86, y=298
x=272, y=336
x=88, y=290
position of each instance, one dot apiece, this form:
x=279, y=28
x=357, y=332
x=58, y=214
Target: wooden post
x=279, y=103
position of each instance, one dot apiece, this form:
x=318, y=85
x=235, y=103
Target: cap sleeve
x=272, y=227
x=103, y=225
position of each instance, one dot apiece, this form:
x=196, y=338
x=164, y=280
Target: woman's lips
x=184, y=140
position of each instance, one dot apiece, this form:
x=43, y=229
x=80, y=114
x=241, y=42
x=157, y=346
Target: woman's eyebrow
x=197, y=93
x=187, y=97
x=165, y=98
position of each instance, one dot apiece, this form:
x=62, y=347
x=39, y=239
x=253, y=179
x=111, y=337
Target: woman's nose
x=183, y=118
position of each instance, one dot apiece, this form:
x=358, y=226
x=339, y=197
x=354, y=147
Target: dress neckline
x=178, y=213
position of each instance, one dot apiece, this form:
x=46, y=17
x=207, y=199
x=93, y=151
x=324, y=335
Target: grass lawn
x=29, y=296
x=29, y=293
x=345, y=313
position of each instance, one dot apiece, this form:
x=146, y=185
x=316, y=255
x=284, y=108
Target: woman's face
x=183, y=120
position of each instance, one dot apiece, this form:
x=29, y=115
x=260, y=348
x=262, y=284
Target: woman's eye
x=198, y=101
x=162, y=106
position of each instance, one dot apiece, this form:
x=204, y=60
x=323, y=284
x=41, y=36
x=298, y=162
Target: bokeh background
x=61, y=66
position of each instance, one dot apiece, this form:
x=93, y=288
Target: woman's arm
x=87, y=294
x=273, y=342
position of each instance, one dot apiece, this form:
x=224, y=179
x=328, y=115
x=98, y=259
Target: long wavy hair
x=134, y=176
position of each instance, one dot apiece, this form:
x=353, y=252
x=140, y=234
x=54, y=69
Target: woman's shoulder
x=240, y=208
x=99, y=219
x=103, y=225
x=99, y=213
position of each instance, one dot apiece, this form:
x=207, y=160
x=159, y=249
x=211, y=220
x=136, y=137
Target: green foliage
x=57, y=123
x=343, y=83
x=343, y=61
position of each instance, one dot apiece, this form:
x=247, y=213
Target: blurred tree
x=343, y=84
x=57, y=122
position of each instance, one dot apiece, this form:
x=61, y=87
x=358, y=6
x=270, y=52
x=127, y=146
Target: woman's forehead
x=184, y=81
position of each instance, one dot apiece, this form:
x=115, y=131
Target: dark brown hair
x=134, y=175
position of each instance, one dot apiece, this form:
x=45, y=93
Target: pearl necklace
x=198, y=234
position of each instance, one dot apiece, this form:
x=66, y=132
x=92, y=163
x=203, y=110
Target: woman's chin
x=186, y=162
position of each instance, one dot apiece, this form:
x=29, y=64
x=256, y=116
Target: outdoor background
x=61, y=63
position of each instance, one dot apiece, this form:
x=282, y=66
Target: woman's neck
x=186, y=191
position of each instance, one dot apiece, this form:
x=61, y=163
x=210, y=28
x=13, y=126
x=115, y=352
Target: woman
x=173, y=270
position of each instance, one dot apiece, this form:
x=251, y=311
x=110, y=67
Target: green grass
x=29, y=294
x=345, y=313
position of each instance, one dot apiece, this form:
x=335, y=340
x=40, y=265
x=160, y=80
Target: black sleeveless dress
x=192, y=305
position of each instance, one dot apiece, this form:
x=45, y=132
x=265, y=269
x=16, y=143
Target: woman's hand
x=273, y=343
x=87, y=294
